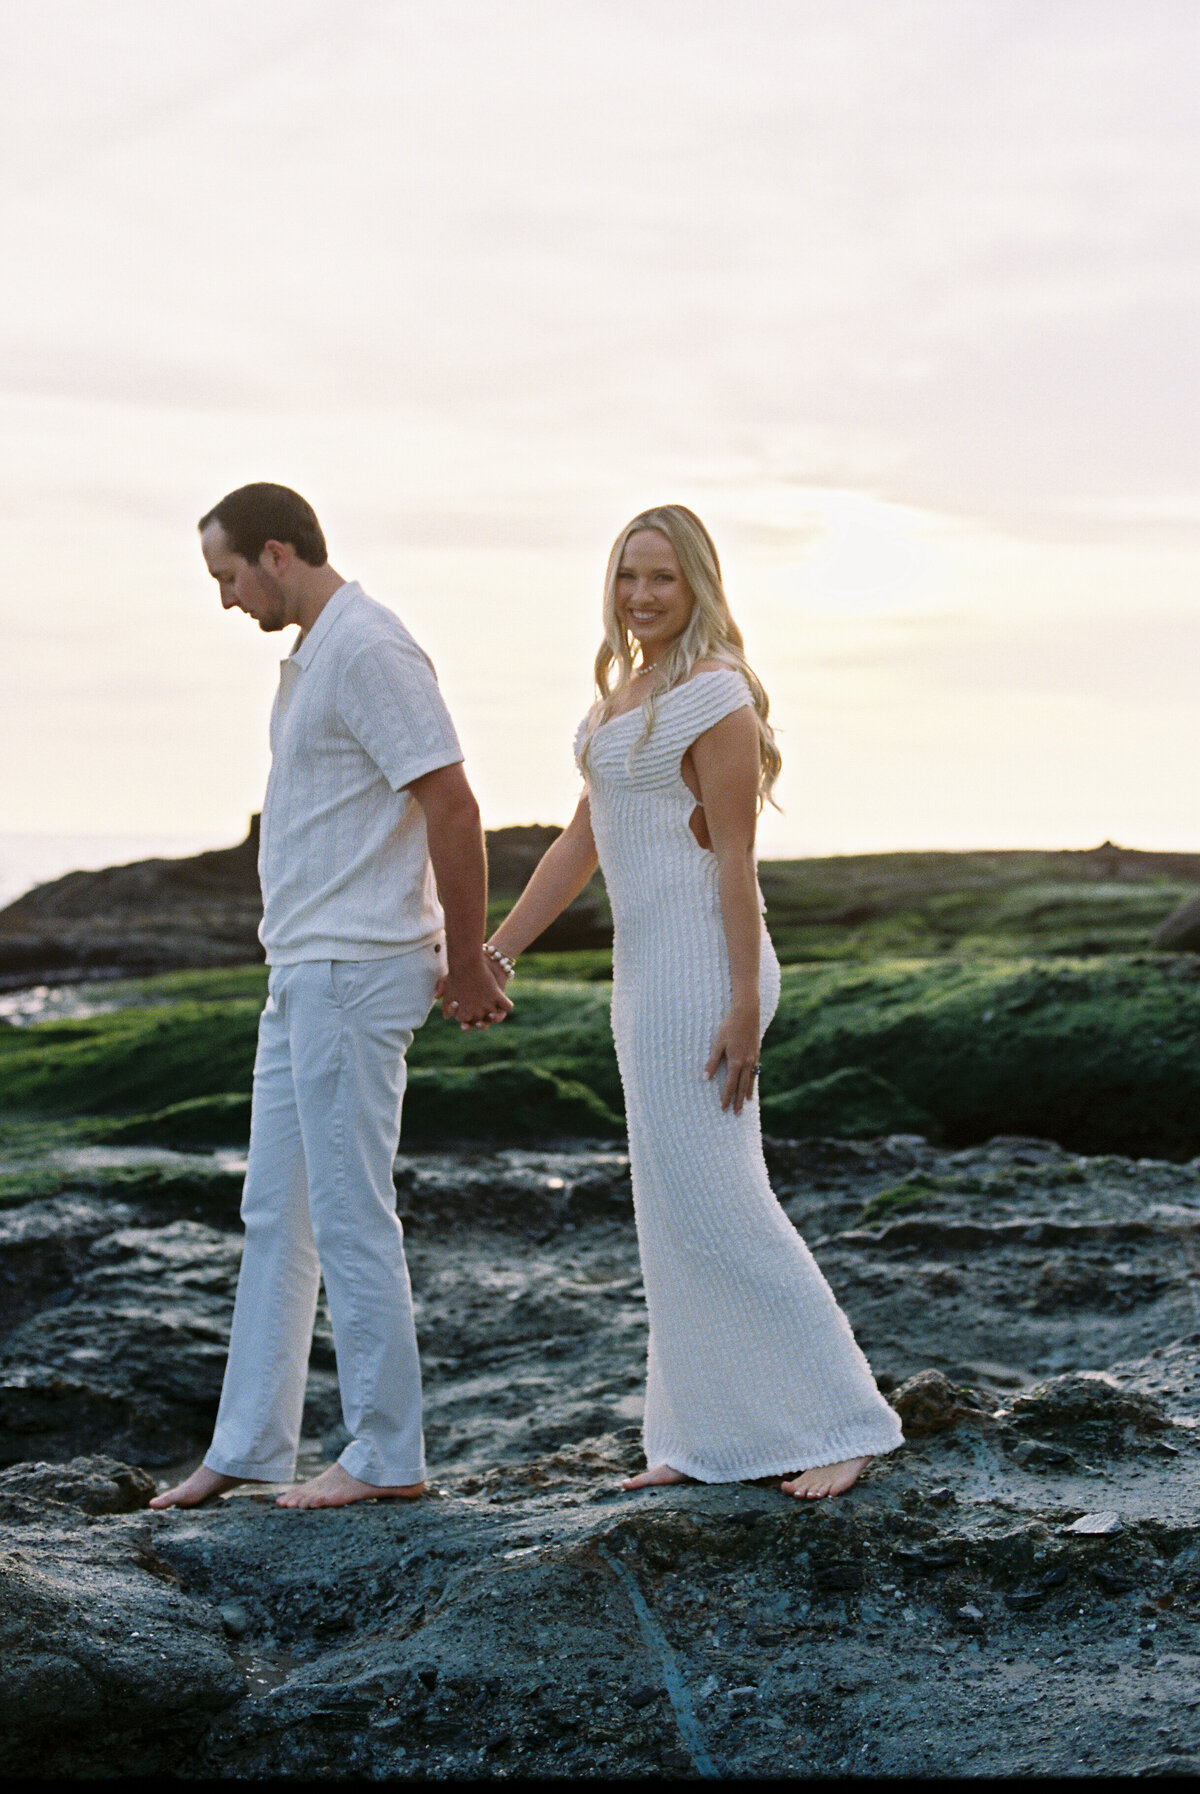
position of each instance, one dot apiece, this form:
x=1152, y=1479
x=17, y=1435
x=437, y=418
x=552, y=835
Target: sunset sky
x=900, y=295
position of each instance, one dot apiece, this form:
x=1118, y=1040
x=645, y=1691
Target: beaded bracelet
x=501, y=959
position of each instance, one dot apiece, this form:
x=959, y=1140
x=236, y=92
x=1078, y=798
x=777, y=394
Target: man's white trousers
x=319, y=1200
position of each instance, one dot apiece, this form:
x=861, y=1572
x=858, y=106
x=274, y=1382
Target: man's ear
x=276, y=558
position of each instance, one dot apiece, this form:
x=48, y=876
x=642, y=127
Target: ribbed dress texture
x=752, y=1369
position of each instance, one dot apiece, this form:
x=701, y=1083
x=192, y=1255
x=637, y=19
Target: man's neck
x=315, y=590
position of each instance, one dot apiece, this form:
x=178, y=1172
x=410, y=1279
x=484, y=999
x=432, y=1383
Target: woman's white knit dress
x=752, y=1369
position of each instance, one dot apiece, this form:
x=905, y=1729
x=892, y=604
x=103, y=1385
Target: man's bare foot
x=201, y=1485
x=653, y=1479
x=336, y=1487
x=825, y=1479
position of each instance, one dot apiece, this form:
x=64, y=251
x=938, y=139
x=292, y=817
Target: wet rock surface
x=93, y=1485
x=107, y=1664
x=1017, y=1591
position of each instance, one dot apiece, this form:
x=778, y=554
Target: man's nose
x=228, y=600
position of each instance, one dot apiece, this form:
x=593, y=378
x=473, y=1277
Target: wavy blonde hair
x=711, y=634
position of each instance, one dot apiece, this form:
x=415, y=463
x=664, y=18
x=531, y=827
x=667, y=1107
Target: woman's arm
x=557, y=880
x=725, y=761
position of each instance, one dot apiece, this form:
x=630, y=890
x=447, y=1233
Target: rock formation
x=151, y=916
x=171, y=915
x=1180, y=933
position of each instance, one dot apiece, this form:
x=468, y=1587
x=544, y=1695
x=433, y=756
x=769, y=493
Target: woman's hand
x=737, y=1042
x=496, y=966
x=473, y=994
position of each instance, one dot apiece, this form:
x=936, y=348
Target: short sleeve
x=389, y=699
x=708, y=698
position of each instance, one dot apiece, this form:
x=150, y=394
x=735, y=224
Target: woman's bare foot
x=336, y=1487
x=655, y=1478
x=825, y=1479
x=201, y=1485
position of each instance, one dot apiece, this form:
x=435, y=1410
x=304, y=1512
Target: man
x=368, y=821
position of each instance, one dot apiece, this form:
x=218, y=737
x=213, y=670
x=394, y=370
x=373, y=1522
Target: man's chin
x=270, y=625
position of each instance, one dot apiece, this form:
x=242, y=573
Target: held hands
x=736, y=1041
x=473, y=994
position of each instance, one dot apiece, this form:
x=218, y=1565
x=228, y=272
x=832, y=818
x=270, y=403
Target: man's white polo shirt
x=343, y=858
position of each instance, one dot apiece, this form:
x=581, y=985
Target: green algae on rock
x=851, y=1104
x=1096, y=1054
x=502, y=1102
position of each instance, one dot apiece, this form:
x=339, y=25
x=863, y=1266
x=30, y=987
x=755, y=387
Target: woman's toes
x=825, y=1479
x=656, y=1477
x=808, y=1487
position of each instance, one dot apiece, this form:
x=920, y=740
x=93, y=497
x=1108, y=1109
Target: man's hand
x=472, y=995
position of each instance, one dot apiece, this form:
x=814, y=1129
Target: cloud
x=957, y=244
x=1129, y=662
x=484, y=280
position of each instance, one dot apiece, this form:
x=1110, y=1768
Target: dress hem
x=862, y=1447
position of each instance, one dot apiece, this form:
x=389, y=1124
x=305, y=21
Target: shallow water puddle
x=116, y=1158
x=264, y=1671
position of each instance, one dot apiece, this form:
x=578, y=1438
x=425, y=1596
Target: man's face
x=243, y=585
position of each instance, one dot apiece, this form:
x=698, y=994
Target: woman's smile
x=654, y=601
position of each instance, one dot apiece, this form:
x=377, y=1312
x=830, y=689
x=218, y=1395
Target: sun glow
x=866, y=557
x=906, y=314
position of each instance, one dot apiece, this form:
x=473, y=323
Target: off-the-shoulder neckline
x=708, y=673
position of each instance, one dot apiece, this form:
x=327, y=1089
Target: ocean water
x=28, y=860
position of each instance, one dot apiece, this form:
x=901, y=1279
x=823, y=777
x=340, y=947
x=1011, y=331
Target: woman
x=753, y=1370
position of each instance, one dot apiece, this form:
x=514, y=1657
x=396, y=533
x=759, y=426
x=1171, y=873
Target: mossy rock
x=201, y=1123
x=449, y=1105
x=911, y=1192
x=502, y=1102
x=851, y=1104
x=1097, y=1055
x=137, y=1061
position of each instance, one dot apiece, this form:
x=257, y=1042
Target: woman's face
x=654, y=601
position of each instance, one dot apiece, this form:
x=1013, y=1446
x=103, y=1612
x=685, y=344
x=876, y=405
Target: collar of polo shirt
x=331, y=610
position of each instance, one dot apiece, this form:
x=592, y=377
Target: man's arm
x=470, y=994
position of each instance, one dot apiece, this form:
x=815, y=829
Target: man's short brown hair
x=254, y=515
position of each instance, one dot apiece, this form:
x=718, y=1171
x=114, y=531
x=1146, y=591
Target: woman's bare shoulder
x=709, y=666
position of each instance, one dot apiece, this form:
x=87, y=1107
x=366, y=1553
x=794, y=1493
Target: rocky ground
x=1017, y=1591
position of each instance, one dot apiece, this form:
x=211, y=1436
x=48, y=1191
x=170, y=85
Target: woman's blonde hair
x=711, y=634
